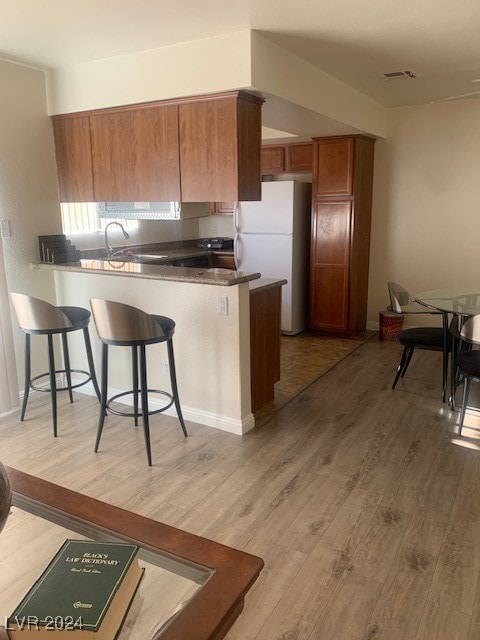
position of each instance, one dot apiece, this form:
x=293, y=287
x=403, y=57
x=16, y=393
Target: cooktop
x=215, y=243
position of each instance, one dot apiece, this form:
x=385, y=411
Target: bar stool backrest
x=38, y=315
x=470, y=331
x=117, y=322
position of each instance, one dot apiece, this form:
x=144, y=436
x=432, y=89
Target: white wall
x=244, y=59
x=28, y=188
x=209, y=65
x=278, y=72
x=426, y=212
x=212, y=352
x=216, y=225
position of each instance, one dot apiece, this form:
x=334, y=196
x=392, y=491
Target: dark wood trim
x=243, y=95
x=210, y=614
x=265, y=333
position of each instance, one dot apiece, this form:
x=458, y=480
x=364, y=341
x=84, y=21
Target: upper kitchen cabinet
x=223, y=208
x=220, y=141
x=156, y=155
x=273, y=160
x=198, y=149
x=129, y=154
x=333, y=173
x=135, y=155
x=299, y=157
x=73, y=150
x=287, y=158
x=112, y=157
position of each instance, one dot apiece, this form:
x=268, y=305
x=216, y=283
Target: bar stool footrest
x=139, y=414
x=46, y=375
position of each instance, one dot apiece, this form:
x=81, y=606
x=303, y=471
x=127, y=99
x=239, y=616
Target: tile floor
x=304, y=358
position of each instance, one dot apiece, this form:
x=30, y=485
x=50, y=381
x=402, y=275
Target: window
x=81, y=217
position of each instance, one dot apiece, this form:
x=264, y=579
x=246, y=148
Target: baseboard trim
x=373, y=326
x=206, y=418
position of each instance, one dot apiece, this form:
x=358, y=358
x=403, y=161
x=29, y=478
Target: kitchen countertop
x=263, y=284
x=218, y=277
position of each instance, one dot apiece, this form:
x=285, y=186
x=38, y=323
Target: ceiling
x=354, y=40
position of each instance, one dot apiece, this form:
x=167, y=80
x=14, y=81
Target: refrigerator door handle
x=237, y=250
x=235, y=217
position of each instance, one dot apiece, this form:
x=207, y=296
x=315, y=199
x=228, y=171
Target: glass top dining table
x=461, y=301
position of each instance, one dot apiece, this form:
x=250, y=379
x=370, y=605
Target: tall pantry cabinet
x=341, y=214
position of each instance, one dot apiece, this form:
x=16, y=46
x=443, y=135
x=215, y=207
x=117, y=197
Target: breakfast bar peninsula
x=212, y=342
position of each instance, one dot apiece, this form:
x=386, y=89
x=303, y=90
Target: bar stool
x=119, y=324
x=36, y=316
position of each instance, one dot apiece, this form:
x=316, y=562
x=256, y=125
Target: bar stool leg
x=407, y=361
x=445, y=357
x=27, y=376
x=173, y=382
x=144, y=394
x=103, y=395
x=91, y=364
x=53, y=382
x=66, y=360
x=135, y=383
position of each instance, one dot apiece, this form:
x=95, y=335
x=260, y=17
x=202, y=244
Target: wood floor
x=362, y=500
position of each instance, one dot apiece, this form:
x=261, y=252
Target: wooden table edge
x=213, y=610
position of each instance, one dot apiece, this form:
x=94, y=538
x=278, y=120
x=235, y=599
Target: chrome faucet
x=108, y=248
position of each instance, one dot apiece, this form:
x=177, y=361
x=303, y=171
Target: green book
x=85, y=591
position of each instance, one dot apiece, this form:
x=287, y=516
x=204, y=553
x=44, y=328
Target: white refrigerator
x=273, y=237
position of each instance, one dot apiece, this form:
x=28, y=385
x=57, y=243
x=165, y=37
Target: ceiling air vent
x=391, y=75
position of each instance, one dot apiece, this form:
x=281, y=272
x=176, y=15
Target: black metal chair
x=428, y=338
x=36, y=316
x=119, y=324
x=468, y=362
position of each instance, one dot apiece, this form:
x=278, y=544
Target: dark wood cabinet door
x=273, y=160
x=224, y=208
x=156, y=154
x=74, y=158
x=208, y=153
x=223, y=261
x=329, y=275
x=299, y=158
x=333, y=167
x=112, y=156
x=329, y=302
x=220, y=149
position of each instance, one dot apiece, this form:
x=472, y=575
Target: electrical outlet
x=5, y=228
x=166, y=368
x=222, y=306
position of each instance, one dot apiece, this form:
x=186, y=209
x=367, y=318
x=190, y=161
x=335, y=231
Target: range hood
x=153, y=210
